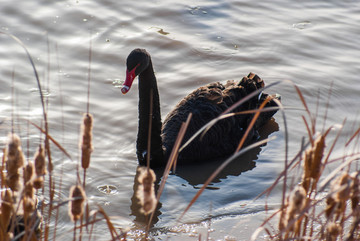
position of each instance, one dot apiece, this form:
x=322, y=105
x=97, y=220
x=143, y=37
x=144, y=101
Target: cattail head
x=15, y=156
x=29, y=190
x=297, y=199
x=312, y=162
x=296, y=203
x=86, y=143
x=355, y=192
x=146, y=191
x=14, y=161
x=6, y=208
x=76, y=205
x=38, y=182
x=341, y=186
x=13, y=181
x=28, y=204
x=333, y=230
x=40, y=164
x=330, y=206
x=317, y=155
x=28, y=172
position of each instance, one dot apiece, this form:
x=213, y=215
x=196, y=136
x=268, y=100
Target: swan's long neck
x=147, y=83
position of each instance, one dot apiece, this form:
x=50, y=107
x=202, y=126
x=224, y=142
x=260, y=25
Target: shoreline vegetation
x=315, y=204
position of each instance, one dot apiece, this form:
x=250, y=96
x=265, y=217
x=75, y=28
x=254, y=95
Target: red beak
x=130, y=76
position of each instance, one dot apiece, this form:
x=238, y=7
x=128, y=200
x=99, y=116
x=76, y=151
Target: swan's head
x=137, y=61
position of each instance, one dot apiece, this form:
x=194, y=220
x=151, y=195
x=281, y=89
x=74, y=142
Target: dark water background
x=312, y=43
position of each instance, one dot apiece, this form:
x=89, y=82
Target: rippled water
x=312, y=43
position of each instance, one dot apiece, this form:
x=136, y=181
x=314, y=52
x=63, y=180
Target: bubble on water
x=117, y=83
x=302, y=25
x=107, y=189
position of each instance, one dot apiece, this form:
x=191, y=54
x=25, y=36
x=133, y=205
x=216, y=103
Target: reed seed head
x=342, y=187
x=76, y=205
x=38, y=182
x=13, y=181
x=14, y=161
x=28, y=205
x=28, y=172
x=146, y=191
x=297, y=199
x=40, y=164
x=333, y=230
x=29, y=190
x=355, y=193
x=312, y=162
x=6, y=208
x=86, y=143
x=15, y=156
x=317, y=155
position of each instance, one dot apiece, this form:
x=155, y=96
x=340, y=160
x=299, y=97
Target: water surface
x=315, y=44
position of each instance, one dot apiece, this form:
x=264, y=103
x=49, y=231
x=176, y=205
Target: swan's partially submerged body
x=205, y=104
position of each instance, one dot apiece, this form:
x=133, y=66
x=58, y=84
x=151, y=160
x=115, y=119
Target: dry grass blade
x=252, y=123
x=53, y=140
x=171, y=162
x=34, y=68
x=220, y=168
x=111, y=227
x=306, y=108
x=308, y=130
x=352, y=137
x=329, y=177
x=282, y=174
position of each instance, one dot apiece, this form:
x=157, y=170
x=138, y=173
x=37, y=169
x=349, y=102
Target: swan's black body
x=205, y=103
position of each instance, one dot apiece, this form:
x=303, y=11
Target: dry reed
x=301, y=216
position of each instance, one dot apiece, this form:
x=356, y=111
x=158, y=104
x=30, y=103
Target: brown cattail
x=6, y=209
x=14, y=161
x=40, y=164
x=146, y=191
x=312, y=162
x=86, y=143
x=355, y=193
x=330, y=206
x=297, y=201
x=342, y=187
x=28, y=205
x=333, y=230
x=15, y=156
x=28, y=172
x=13, y=181
x=341, y=190
x=38, y=182
x=40, y=167
x=317, y=155
x=76, y=205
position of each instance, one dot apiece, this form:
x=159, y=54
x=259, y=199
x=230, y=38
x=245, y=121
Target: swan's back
x=207, y=103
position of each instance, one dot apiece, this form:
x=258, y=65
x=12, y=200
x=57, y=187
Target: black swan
x=205, y=103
